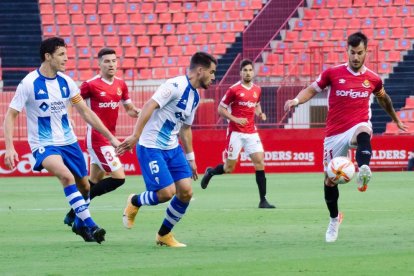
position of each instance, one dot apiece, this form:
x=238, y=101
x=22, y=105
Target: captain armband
x=380, y=93
x=77, y=99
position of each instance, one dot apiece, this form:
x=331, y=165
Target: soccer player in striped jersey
x=45, y=93
x=348, y=123
x=166, y=170
x=239, y=106
x=103, y=94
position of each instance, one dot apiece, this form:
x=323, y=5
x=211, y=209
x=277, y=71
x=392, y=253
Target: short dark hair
x=356, y=38
x=106, y=51
x=203, y=59
x=49, y=46
x=245, y=62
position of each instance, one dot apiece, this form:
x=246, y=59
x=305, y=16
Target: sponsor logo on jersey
x=102, y=94
x=119, y=91
x=57, y=107
x=341, y=81
x=248, y=104
x=44, y=106
x=366, y=84
x=242, y=95
x=352, y=94
x=41, y=92
x=110, y=104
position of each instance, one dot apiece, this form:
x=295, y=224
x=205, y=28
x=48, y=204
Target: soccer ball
x=340, y=170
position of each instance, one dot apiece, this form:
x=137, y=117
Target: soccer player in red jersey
x=348, y=123
x=239, y=106
x=103, y=93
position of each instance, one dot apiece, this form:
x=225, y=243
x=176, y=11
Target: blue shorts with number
x=72, y=156
x=161, y=168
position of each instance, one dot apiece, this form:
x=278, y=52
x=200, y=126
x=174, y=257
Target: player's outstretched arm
x=11, y=156
x=145, y=115
x=303, y=96
x=385, y=102
x=91, y=118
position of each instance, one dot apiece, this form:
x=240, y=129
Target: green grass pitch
x=225, y=232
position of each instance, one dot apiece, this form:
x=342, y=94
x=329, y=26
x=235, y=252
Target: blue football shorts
x=161, y=168
x=72, y=156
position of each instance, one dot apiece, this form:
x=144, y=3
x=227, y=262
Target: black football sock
x=105, y=186
x=219, y=169
x=364, y=151
x=261, y=184
x=331, y=199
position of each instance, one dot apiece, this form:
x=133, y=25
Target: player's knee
x=66, y=179
x=229, y=168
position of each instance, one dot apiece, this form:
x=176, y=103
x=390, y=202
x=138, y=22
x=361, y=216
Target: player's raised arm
x=303, y=96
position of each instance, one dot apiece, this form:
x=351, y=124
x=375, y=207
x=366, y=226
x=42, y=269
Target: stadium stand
x=156, y=28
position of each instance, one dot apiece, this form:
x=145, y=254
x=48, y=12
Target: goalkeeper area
x=225, y=232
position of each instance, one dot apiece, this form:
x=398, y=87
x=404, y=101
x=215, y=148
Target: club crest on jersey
x=119, y=91
x=341, y=81
x=254, y=95
x=366, y=84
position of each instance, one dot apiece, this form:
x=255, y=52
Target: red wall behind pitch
x=285, y=151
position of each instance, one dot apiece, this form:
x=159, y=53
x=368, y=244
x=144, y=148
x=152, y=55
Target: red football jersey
x=348, y=96
x=241, y=102
x=103, y=98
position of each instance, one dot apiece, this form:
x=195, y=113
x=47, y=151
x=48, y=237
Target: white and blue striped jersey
x=46, y=101
x=178, y=101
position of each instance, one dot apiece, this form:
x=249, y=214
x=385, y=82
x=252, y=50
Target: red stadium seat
x=142, y=62
x=95, y=30
x=359, y=3
x=387, y=45
x=85, y=75
x=84, y=63
x=161, y=51
x=139, y=30
x=340, y=24
x=178, y=17
x=145, y=74
x=381, y=23
x=323, y=13
x=409, y=103
x=124, y=29
x=104, y=8
x=397, y=33
x=46, y=8
x=164, y=18
x=337, y=13
x=64, y=30
x=135, y=18
x=395, y=22
x=314, y=25
x=393, y=56
x=150, y=18
x=82, y=41
x=229, y=37
x=154, y=29
x=131, y=51
x=156, y=62
x=403, y=45
x=112, y=41
x=75, y=9
x=168, y=29
x=143, y=41
x=319, y=4
x=128, y=41
x=97, y=41
x=146, y=52
x=384, y=68
x=119, y=8
x=217, y=38
x=161, y=7
x=147, y=8
x=77, y=19
x=175, y=50
x=159, y=73
x=306, y=35
x=291, y=36
x=127, y=63
x=219, y=49
x=171, y=40
x=49, y=19
x=175, y=7
x=157, y=40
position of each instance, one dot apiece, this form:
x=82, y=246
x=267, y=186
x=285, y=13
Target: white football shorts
x=250, y=142
x=339, y=145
